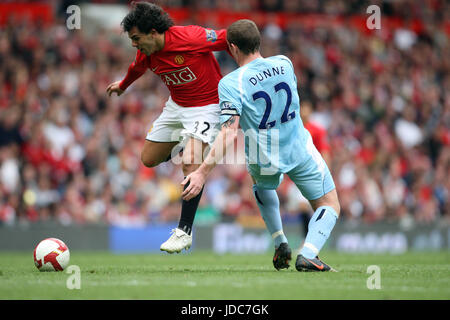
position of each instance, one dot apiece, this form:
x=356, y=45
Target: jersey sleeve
x=135, y=70
x=229, y=100
x=204, y=39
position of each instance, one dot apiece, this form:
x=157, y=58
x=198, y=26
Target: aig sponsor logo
x=177, y=77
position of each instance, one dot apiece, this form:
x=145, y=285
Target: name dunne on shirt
x=268, y=73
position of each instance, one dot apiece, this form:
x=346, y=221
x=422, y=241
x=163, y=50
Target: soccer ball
x=51, y=254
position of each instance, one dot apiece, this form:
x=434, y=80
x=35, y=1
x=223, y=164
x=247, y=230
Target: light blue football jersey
x=264, y=94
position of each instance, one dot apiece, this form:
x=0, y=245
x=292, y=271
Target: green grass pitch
x=205, y=275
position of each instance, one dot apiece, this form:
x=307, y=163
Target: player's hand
x=194, y=182
x=114, y=87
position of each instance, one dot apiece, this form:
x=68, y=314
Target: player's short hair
x=146, y=16
x=245, y=35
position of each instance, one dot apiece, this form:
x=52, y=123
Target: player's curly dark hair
x=146, y=16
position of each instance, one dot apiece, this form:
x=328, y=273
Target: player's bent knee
x=330, y=199
x=148, y=161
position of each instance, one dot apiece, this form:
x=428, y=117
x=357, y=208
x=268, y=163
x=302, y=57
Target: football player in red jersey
x=182, y=56
x=318, y=133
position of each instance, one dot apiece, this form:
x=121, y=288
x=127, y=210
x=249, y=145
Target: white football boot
x=178, y=241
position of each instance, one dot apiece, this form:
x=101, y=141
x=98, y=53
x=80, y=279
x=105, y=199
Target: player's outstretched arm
x=135, y=70
x=114, y=87
x=224, y=140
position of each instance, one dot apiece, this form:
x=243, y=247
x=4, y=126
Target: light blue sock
x=319, y=229
x=269, y=205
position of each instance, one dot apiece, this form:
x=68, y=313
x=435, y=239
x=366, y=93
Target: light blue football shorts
x=312, y=177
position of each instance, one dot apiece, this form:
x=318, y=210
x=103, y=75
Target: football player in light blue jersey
x=261, y=96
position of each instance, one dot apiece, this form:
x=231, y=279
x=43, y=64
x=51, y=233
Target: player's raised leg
x=181, y=237
x=153, y=154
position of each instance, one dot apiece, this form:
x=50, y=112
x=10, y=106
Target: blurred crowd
x=71, y=154
x=436, y=10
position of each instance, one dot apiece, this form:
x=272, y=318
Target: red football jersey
x=319, y=136
x=186, y=65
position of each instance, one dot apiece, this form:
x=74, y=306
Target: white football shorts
x=177, y=124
